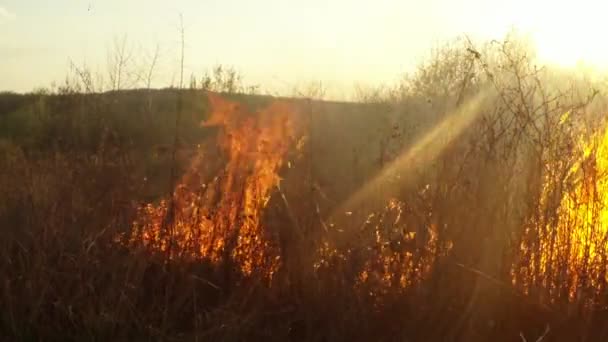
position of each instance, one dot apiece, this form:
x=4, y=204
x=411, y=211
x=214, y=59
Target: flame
x=217, y=214
x=567, y=256
x=216, y=209
x=390, y=253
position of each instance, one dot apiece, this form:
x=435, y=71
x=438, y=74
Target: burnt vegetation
x=466, y=203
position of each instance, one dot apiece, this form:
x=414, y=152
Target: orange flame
x=220, y=218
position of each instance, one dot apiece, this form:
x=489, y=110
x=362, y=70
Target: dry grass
x=475, y=241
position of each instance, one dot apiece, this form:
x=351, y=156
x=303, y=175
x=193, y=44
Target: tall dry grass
x=450, y=221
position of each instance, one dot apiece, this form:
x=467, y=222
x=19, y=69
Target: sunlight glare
x=423, y=152
x=566, y=34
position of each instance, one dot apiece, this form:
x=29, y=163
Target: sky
x=278, y=44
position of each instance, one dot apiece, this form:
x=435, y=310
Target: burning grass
x=487, y=222
x=217, y=216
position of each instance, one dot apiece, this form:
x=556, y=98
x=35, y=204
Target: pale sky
x=280, y=43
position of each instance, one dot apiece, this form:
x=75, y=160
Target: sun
x=566, y=33
x=569, y=45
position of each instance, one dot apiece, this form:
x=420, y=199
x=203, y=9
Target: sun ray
x=421, y=153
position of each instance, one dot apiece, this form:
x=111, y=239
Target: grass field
x=465, y=204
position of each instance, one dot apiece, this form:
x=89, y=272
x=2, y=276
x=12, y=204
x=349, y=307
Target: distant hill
x=349, y=142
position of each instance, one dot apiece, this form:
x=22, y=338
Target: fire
x=216, y=209
x=390, y=252
x=566, y=255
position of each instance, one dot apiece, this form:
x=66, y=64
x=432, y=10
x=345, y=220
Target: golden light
x=423, y=152
x=566, y=33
